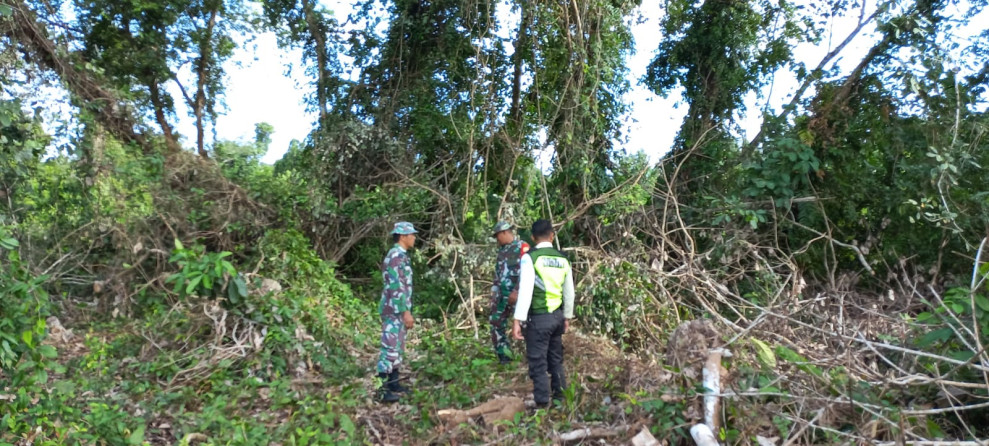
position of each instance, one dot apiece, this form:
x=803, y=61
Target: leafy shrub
x=783, y=171
x=962, y=311
x=621, y=304
x=24, y=305
x=24, y=361
x=206, y=274
x=298, y=318
x=112, y=425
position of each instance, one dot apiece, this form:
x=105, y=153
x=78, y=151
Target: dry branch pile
x=816, y=361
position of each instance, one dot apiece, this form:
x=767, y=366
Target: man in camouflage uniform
x=504, y=289
x=395, y=308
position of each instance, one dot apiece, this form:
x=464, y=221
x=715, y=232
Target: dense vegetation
x=162, y=294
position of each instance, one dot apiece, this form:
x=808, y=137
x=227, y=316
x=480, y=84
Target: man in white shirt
x=545, y=302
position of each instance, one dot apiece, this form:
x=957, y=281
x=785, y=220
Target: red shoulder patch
x=523, y=249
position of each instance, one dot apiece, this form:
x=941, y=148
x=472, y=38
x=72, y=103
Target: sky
x=261, y=88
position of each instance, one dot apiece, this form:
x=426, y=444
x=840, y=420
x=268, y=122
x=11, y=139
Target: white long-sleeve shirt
x=527, y=280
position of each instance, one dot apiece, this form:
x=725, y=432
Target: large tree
x=141, y=46
x=718, y=51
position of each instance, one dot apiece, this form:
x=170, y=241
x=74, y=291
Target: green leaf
x=8, y=242
x=961, y=355
x=930, y=338
x=934, y=430
x=981, y=302
x=232, y=295
x=178, y=244
x=801, y=362
x=765, y=353
x=136, y=437
x=193, y=284
x=64, y=387
x=770, y=389
x=28, y=338
x=6, y=11
x=347, y=425
x=241, y=286
x=48, y=351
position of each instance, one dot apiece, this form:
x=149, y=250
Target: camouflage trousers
x=501, y=324
x=392, y=342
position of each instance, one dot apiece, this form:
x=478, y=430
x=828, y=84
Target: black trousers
x=544, y=350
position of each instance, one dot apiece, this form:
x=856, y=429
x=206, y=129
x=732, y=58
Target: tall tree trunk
x=317, y=32
x=202, y=67
x=159, y=105
x=521, y=40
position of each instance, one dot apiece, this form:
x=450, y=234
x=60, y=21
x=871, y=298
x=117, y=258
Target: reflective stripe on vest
x=551, y=268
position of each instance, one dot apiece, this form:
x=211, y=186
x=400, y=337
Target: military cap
x=404, y=227
x=501, y=226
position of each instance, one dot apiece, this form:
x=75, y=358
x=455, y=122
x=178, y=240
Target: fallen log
x=588, y=433
x=712, y=386
x=703, y=435
x=644, y=438
x=499, y=409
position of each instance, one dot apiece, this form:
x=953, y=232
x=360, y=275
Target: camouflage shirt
x=396, y=273
x=507, y=269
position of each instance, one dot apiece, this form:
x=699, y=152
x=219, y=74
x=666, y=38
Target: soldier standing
x=396, y=309
x=505, y=288
x=546, y=300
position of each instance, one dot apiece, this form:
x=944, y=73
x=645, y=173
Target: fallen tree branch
x=23, y=27
x=592, y=432
x=787, y=109
x=703, y=436
x=858, y=252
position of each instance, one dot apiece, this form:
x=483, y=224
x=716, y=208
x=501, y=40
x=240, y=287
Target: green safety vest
x=552, y=268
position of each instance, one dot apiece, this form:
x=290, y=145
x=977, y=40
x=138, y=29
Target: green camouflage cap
x=404, y=227
x=501, y=226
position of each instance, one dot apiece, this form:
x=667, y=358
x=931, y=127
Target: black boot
x=393, y=384
x=386, y=394
x=504, y=359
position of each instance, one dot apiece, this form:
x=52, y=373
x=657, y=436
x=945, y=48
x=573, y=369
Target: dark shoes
x=393, y=384
x=388, y=397
x=391, y=390
x=385, y=393
x=557, y=401
x=504, y=359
